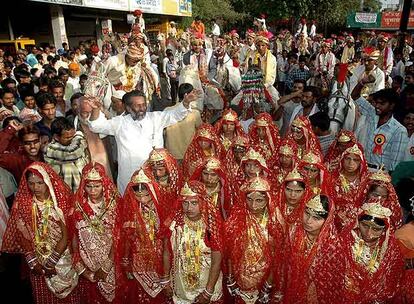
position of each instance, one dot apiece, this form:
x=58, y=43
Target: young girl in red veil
x=96, y=235
x=38, y=229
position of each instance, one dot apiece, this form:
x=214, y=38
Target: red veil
x=224, y=199
x=343, y=193
x=19, y=235
x=332, y=157
x=268, y=149
x=213, y=238
x=311, y=140
x=82, y=211
x=237, y=238
x=170, y=192
x=315, y=159
x=287, y=147
x=295, y=217
x=383, y=179
x=299, y=261
x=141, y=250
x=228, y=116
x=230, y=164
x=195, y=155
x=338, y=276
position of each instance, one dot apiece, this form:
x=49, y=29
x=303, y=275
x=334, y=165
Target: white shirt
x=215, y=30
x=299, y=111
x=135, y=139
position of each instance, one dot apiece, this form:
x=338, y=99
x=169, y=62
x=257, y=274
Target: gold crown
x=156, y=156
x=141, y=178
x=286, y=150
x=205, y=133
x=316, y=205
x=212, y=164
x=257, y=184
x=354, y=150
x=261, y=122
x=298, y=123
x=311, y=158
x=93, y=175
x=187, y=191
x=376, y=210
x=380, y=175
x=343, y=138
x=230, y=116
x=294, y=175
x=241, y=141
x=254, y=155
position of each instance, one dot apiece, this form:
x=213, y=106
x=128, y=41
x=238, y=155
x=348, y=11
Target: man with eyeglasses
x=16, y=163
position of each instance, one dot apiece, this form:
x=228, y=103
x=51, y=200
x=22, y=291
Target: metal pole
x=361, y=5
x=11, y=33
x=405, y=14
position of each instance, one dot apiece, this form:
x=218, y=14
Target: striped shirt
x=68, y=161
x=385, y=144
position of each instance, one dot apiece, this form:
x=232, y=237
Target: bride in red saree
x=37, y=229
x=95, y=234
x=205, y=143
x=363, y=264
x=304, y=241
x=264, y=135
x=254, y=244
x=228, y=128
x=141, y=251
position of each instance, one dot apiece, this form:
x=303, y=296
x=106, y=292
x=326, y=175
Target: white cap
x=118, y=94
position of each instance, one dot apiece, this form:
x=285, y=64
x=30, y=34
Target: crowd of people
x=278, y=171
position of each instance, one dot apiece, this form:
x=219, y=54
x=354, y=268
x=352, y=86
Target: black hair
x=56, y=84
x=127, y=98
x=398, y=79
x=7, y=121
x=405, y=192
x=49, y=58
x=61, y=124
x=320, y=120
x=8, y=64
x=140, y=187
x=388, y=95
x=29, y=129
x=183, y=89
x=302, y=81
x=20, y=73
x=302, y=58
x=76, y=96
x=25, y=89
x=83, y=77
x=5, y=91
x=325, y=205
x=62, y=72
x=44, y=99
x=301, y=184
x=314, y=90
x=39, y=57
x=7, y=81
x=369, y=218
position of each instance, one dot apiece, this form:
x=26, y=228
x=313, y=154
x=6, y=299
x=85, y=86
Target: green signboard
x=364, y=20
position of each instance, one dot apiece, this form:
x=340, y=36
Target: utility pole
x=405, y=14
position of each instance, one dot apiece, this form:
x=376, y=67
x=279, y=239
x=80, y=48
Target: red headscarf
x=195, y=154
x=143, y=248
x=343, y=190
x=287, y=147
x=82, y=210
x=161, y=156
x=334, y=153
x=339, y=276
x=296, y=214
x=224, y=199
x=230, y=164
x=238, y=228
x=228, y=116
x=315, y=159
x=300, y=260
x=311, y=140
x=264, y=120
x=19, y=235
x=383, y=179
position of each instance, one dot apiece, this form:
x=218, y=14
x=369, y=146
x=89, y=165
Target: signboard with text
x=391, y=20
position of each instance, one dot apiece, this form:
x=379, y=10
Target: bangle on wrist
x=209, y=294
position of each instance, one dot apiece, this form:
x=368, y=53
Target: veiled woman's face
x=204, y=144
x=294, y=192
x=311, y=222
x=38, y=187
x=94, y=190
x=252, y=168
x=256, y=202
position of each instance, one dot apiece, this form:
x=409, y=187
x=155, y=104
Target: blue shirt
x=389, y=140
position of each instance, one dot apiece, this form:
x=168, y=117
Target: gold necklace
x=42, y=244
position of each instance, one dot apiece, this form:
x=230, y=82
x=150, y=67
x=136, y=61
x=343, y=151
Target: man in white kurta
x=136, y=131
